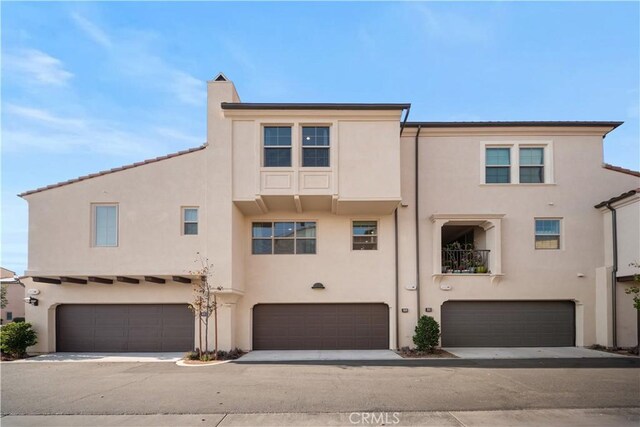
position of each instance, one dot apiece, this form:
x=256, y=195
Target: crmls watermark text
x=377, y=418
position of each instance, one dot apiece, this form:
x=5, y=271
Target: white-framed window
x=547, y=233
x=283, y=237
x=9, y=315
x=315, y=146
x=364, y=235
x=531, y=165
x=517, y=162
x=277, y=146
x=498, y=165
x=105, y=225
x=189, y=221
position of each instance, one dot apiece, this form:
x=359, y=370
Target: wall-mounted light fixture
x=31, y=300
x=317, y=285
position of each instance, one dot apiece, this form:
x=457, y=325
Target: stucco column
x=604, y=326
x=226, y=336
x=437, y=245
x=497, y=245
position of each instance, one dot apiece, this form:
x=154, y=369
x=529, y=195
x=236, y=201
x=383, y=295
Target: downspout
x=417, y=208
x=395, y=221
x=614, y=273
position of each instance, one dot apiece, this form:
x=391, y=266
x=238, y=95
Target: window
x=9, y=315
x=547, y=234
x=283, y=238
x=277, y=146
x=365, y=235
x=532, y=165
x=105, y=223
x=190, y=221
x=498, y=166
x=315, y=146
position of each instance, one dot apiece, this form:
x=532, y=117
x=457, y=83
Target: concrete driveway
x=104, y=357
x=529, y=353
x=317, y=355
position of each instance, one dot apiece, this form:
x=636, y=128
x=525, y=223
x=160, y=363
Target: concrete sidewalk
x=621, y=417
x=529, y=353
x=104, y=357
x=317, y=355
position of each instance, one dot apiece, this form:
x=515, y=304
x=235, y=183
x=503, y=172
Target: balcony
x=465, y=260
x=467, y=245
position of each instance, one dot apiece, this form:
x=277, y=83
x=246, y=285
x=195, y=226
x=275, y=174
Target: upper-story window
x=190, y=221
x=519, y=162
x=105, y=225
x=547, y=234
x=365, y=235
x=277, y=146
x=531, y=165
x=283, y=237
x=498, y=165
x=315, y=146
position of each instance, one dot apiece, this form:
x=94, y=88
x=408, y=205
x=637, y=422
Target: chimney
x=219, y=90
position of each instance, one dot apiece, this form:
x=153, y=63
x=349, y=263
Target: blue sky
x=90, y=86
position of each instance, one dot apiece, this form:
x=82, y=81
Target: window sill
x=495, y=278
x=546, y=184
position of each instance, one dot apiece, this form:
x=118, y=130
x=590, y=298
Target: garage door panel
x=508, y=324
x=320, y=326
x=124, y=327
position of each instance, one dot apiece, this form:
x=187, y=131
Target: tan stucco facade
x=15, y=295
x=628, y=251
x=371, y=174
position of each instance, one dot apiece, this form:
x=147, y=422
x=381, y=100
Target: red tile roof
x=619, y=169
x=118, y=169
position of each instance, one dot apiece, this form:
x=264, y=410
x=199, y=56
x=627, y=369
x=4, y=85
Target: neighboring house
x=15, y=295
x=621, y=216
x=330, y=226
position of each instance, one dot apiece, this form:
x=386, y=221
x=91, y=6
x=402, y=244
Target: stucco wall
x=150, y=239
x=15, y=302
x=451, y=179
x=348, y=275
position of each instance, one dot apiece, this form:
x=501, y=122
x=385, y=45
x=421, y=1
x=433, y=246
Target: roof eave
x=310, y=106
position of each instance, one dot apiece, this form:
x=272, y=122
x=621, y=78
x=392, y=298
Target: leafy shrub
x=16, y=337
x=234, y=354
x=191, y=355
x=427, y=334
x=18, y=319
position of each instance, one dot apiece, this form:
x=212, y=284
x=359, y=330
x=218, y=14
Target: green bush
x=16, y=337
x=18, y=319
x=427, y=334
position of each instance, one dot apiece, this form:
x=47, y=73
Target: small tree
x=635, y=290
x=205, y=303
x=427, y=334
x=16, y=337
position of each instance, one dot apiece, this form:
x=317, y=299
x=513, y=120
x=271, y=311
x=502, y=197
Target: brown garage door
x=124, y=327
x=508, y=324
x=320, y=326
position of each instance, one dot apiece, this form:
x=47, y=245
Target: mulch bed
x=621, y=351
x=438, y=353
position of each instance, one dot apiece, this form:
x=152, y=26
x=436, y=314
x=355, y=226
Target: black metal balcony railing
x=465, y=260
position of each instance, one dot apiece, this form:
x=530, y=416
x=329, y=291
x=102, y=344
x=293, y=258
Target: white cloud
x=92, y=30
x=33, y=65
x=42, y=116
x=34, y=129
x=187, y=88
x=135, y=58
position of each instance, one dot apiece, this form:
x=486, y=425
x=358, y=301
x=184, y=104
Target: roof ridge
x=113, y=170
x=620, y=169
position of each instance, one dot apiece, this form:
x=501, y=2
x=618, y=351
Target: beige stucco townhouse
x=332, y=226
